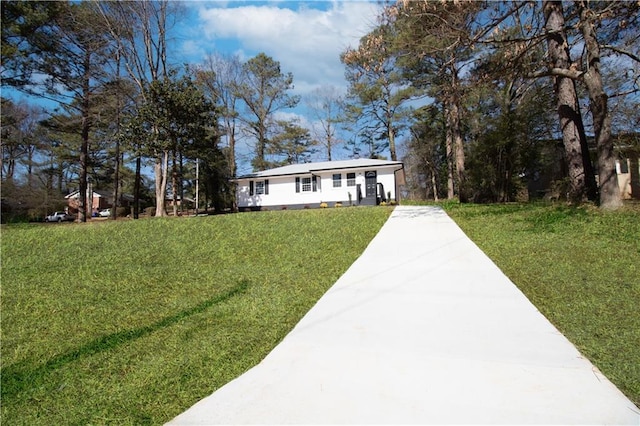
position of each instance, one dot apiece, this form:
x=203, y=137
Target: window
x=624, y=165
x=260, y=187
x=351, y=179
x=337, y=180
x=307, y=184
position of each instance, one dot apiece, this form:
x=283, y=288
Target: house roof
x=307, y=168
x=98, y=194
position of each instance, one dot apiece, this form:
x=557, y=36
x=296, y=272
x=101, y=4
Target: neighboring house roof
x=306, y=168
x=74, y=194
x=101, y=194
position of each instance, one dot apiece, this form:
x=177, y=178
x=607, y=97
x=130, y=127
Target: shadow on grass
x=20, y=377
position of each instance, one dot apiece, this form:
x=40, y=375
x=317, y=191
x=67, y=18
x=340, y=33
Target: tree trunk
x=434, y=185
x=449, y=152
x=634, y=177
x=136, y=188
x=116, y=181
x=456, y=134
x=83, y=208
x=581, y=176
x=459, y=154
x=610, y=197
x=160, y=169
x=232, y=168
x=116, y=171
x=174, y=183
x=391, y=134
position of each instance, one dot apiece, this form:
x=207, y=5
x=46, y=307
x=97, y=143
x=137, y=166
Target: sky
x=305, y=37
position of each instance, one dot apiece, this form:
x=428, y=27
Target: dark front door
x=370, y=179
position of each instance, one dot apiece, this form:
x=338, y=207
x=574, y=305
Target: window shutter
x=297, y=184
x=251, y=187
x=266, y=187
x=314, y=180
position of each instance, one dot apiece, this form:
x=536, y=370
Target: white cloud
x=307, y=41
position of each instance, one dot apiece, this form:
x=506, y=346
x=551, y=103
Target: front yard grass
x=132, y=322
x=579, y=266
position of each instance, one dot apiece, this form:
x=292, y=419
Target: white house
x=350, y=182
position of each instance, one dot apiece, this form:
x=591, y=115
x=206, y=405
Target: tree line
x=503, y=80
x=120, y=105
x=471, y=96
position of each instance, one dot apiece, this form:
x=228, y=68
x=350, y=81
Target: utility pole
x=197, y=184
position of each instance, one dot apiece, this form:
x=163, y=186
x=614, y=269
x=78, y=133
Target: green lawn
x=132, y=322
x=579, y=266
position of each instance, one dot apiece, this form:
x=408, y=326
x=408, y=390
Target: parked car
x=105, y=213
x=59, y=217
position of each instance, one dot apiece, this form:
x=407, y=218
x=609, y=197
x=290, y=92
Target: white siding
x=282, y=189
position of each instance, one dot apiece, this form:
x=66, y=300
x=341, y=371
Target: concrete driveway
x=423, y=328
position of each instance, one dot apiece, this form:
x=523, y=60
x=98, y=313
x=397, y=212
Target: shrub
x=337, y=204
x=150, y=211
x=322, y=205
x=122, y=211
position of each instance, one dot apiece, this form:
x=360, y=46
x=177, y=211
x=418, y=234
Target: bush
x=122, y=211
x=338, y=204
x=322, y=205
x=150, y=211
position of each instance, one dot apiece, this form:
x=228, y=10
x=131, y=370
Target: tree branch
x=557, y=72
x=622, y=52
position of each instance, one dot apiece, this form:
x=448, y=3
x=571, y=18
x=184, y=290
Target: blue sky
x=306, y=37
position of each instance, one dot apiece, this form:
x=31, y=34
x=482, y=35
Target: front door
x=371, y=181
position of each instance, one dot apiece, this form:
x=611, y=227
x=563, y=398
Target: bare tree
x=140, y=31
x=220, y=77
x=325, y=105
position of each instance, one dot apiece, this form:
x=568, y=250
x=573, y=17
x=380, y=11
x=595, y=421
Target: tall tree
x=73, y=71
x=140, y=30
x=425, y=156
x=219, y=77
x=264, y=90
x=376, y=85
x=325, y=104
x=433, y=40
x=581, y=174
x=177, y=116
x=590, y=19
x=601, y=26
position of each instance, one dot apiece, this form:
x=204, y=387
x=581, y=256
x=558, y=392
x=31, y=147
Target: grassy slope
x=133, y=322
x=580, y=267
